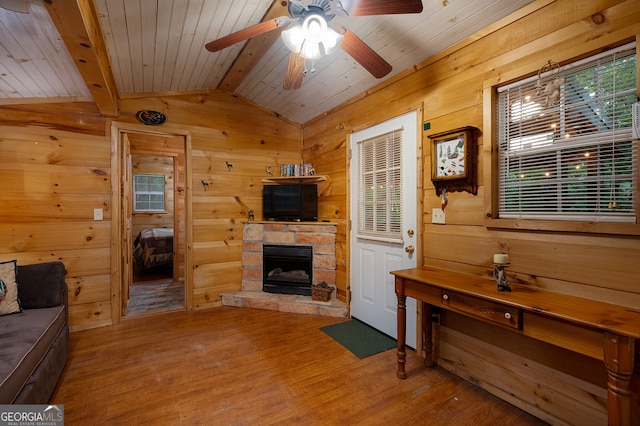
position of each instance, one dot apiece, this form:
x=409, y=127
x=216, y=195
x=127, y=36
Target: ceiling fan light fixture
x=331, y=41
x=305, y=38
x=310, y=50
x=293, y=38
x=314, y=28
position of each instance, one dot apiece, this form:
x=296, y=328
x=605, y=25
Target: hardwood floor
x=155, y=296
x=239, y=366
x=154, y=290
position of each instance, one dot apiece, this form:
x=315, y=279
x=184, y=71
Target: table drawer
x=493, y=312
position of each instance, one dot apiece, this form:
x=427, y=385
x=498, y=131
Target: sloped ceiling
x=105, y=50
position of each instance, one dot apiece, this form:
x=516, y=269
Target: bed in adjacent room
x=153, y=247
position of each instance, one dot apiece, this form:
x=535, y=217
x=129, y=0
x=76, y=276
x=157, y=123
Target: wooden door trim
x=117, y=132
x=125, y=212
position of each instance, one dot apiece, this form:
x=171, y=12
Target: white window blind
x=148, y=193
x=565, y=148
x=380, y=188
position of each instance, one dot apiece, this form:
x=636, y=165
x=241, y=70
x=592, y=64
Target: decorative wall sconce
x=205, y=184
x=151, y=118
x=229, y=165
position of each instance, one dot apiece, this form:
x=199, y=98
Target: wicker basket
x=321, y=292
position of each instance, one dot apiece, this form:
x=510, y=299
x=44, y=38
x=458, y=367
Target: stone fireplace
x=320, y=238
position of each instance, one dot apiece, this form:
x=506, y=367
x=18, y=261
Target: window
x=148, y=193
x=565, y=147
x=380, y=187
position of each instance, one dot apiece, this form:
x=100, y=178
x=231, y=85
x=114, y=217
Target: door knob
x=410, y=232
x=409, y=249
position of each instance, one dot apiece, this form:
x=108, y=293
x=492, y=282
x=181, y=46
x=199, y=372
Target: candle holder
x=499, y=275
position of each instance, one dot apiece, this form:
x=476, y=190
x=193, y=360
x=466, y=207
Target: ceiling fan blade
x=295, y=72
x=19, y=6
x=247, y=33
x=364, y=55
x=381, y=7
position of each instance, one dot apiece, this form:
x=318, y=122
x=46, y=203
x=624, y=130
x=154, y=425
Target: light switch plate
x=437, y=216
x=97, y=214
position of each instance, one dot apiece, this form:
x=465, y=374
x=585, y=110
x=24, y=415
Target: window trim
x=134, y=192
x=489, y=142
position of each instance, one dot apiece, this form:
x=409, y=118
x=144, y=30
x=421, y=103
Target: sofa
x=34, y=338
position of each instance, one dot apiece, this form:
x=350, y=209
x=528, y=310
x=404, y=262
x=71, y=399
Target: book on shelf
x=303, y=169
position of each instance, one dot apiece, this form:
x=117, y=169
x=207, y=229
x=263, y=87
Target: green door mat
x=361, y=339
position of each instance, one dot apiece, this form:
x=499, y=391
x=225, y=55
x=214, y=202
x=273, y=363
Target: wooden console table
x=600, y=330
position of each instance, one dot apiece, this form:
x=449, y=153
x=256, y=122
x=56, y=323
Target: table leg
x=402, y=332
x=635, y=387
x=427, y=334
x=619, y=354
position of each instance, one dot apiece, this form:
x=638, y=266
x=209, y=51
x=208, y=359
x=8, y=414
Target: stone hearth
x=321, y=236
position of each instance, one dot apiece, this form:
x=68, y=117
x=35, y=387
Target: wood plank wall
x=224, y=130
x=56, y=169
x=558, y=386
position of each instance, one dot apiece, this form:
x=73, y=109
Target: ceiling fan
x=309, y=34
x=19, y=6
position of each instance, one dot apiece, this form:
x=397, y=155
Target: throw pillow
x=10, y=304
x=3, y=290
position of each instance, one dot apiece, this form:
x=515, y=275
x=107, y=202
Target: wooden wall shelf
x=295, y=179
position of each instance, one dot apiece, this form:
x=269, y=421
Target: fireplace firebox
x=287, y=269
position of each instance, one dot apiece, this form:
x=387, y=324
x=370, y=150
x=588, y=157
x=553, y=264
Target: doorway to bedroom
x=153, y=212
x=155, y=285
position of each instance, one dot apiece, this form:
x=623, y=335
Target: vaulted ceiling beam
x=78, y=24
x=254, y=50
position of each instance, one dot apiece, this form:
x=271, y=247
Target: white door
x=383, y=220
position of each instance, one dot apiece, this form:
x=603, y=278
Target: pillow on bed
x=9, y=302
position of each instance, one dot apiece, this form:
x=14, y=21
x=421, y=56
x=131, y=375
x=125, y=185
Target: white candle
x=500, y=258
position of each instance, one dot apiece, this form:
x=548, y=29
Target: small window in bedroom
x=148, y=193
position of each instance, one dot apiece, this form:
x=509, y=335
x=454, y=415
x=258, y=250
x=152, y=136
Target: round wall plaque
x=152, y=118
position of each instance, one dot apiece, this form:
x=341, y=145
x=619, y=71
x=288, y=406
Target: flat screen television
x=290, y=202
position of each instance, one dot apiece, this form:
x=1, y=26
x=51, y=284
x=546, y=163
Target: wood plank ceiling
x=156, y=47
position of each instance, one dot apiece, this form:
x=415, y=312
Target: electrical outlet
x=437, y=216
x=97, y=214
